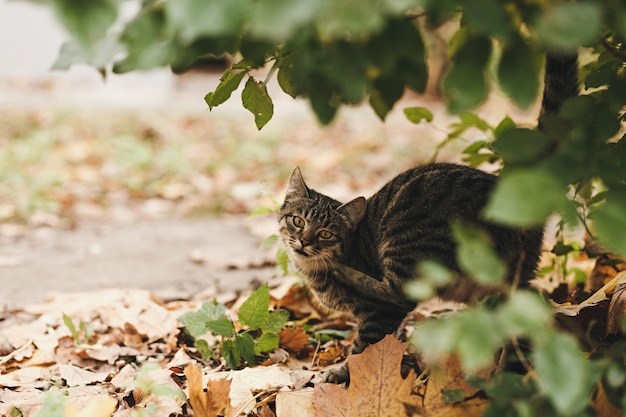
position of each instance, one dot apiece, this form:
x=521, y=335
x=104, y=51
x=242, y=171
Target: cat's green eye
x=298, y=221
x=325, y=234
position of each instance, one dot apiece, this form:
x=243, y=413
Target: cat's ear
x=297, y=188
x=355, y=210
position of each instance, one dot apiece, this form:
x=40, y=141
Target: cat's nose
x=304, y=242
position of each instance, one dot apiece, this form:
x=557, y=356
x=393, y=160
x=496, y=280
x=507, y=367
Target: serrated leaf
x=195, y=322
x=211, y=317
x=510, y=203
x=230, y=354
x=276, y=321
x=229, y=82
x=417, y=114
x=204, y=349
x=245, y=346
x=256, y=100
x=254, y=312
x=223, y=327
x=519, y=72
x=476, y=255
x=267, y=342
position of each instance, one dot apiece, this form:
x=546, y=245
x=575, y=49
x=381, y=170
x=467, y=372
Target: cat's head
x=314, y=228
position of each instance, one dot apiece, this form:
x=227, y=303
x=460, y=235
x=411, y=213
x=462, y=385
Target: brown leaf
x=297, y=301
x=450, y=376
x=209, y=403
x=332, y=355
x=376, y=387
x=293, y=339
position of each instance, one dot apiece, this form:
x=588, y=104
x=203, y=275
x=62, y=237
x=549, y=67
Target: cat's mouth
x=301, y=252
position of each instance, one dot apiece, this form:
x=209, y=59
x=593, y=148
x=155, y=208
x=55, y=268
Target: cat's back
x=437, y=190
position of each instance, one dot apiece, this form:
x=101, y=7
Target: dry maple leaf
x=294, y=340
x=376, y=387
x=450, y=376
x=209, y=403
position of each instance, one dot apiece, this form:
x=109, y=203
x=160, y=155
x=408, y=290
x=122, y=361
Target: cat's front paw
x=337, y=375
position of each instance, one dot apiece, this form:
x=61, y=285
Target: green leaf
x=570, y=25
x=87, y=21
x=168, y=391
x=267, y=342
x=211, y=317
x=519, y=72
x=254, y=312
x=285, y=75
x=520, y=145
x=417, y=114
x=564, y=374
x=504, y=125
x=282, y=259
x=465, y=86
x=269, y=241
x=261, y=211
x=276, y=321
x=146, y=42
x=451, y=396
x=245, y=346
x=476, y=255
x=67, y=320
x=231, y=355
x=487, y=17
x=204, y=349
x=384, y=93
x=229, y=81
x=524, y=314
x=256, y=100
x=511, y=204
x=193, y=19
x=610, y=222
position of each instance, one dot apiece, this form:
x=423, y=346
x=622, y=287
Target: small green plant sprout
x=144, y=385
x=256, y=332
x=83, y=335
x=282, y=259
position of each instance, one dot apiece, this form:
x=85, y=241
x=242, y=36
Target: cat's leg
x=388, y=290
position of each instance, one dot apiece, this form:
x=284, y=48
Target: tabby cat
x=358, y=256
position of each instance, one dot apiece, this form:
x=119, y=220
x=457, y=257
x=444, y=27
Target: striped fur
x=375, y=245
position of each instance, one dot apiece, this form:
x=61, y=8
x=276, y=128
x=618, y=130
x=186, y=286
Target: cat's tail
x=560, y=81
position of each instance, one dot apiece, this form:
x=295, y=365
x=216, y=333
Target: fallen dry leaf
x=293, y=339
x=209, y=403
x=295, y=403
x=376, y=387
x=331, y=355
x=450, y=376
x=100, y=406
